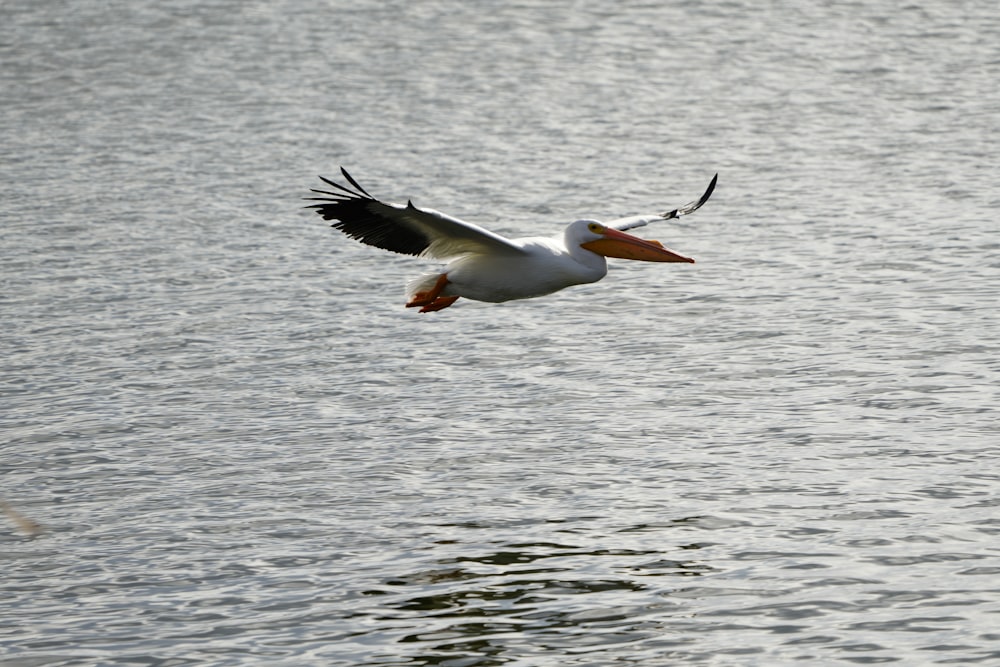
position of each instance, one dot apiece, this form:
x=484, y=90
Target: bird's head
x=609, y=242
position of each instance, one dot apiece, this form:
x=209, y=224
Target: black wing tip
x=342, y=194
x=691, y=207
x=350, y=179
x=708, y=191
x=357, y=192
x=362, y=217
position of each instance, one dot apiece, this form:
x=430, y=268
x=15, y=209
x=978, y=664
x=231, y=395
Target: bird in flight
x=484, y=266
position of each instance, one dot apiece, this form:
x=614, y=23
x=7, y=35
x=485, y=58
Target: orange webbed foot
x=439, y=303
x=420, y=299
x=428, y=298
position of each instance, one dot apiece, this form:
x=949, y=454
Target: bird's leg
x=439, y=303
x=427, y=298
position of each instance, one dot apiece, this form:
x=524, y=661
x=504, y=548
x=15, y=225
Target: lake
x=242, y=449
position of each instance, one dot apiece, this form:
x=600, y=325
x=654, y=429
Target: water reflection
x=546, y=593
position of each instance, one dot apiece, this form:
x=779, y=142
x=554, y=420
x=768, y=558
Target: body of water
x=243, y=450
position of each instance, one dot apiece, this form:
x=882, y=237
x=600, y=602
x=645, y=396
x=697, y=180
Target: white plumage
x=485, y=266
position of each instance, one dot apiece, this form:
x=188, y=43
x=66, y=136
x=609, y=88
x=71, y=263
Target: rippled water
x=244, y=450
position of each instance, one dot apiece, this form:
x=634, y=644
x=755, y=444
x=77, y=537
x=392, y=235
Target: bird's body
x=484, y=266
x=543, y=266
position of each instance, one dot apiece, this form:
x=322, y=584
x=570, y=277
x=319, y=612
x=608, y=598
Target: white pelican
x=485, y=266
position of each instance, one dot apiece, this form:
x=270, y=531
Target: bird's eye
x=596, y=228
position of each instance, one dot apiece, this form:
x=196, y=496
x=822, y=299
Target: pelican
x=484, y=266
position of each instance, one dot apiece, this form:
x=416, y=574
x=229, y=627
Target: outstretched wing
x=641, y=220
x=404, y=229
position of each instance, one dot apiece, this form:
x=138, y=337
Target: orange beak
x=625, y=246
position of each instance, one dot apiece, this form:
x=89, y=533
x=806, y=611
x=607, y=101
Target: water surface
x=244, y=450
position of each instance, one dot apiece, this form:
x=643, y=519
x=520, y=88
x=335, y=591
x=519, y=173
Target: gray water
x=243, y=450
